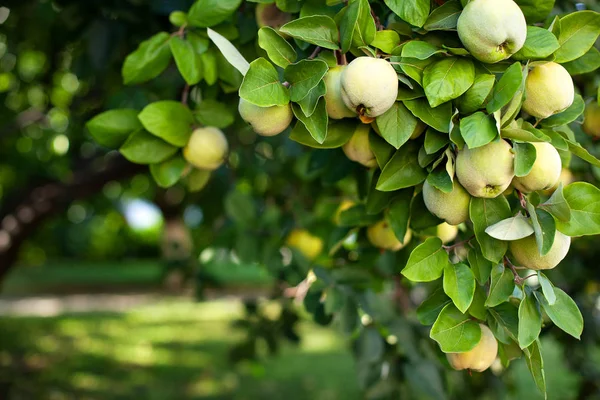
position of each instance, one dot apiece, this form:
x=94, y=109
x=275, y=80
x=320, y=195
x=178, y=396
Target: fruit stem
x=341, y=58
x=377, y=20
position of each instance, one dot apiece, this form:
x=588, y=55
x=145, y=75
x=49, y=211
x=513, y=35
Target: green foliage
x=447, y=100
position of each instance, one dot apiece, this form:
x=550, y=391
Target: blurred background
x=112, y=288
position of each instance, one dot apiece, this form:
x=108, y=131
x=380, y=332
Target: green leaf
x=398, y=214
x=144, y=148
x=427, y=261
x=148, y=60
x=584, y=201
x=481, y=267
x=547, y=288
x=338, y=134
x=504, y=322
x=213, y=113
x=544, y=227
x=530, y=320
x=535, y=363
x=435, y=141
x=478, y=129
x=589, y=62
x=440, y=177
x=506, y=88
x=578, y=33
x=444, y=18
x=357, y=216
x=459, y=285
x=402, y=170
x=535, y=10
x=513, y=228
x=229, y=51
x=370, y=345
x=430, y=309
x=569, y=115
x=557, y=205
x=474, y=98
x=477, y=308
x=501, y=287
x=415, y=12
x=540, y=44
x=261, y=85
x=278, y=49
x=111, y=128
x=356, y=25
x=525, y=155
x=420, y=50
x=168, y=173
x=310, y=102
x=413, y=67
x=386, y=40
x=564, y=312
x=581, y=152
x=240, y=208
x=447, y=79
x=486, y=212
x=382, y=150
x=319, y=30
x=454, y=331
x=438, y=118
x=188, y=62
x=316, y=124
x=303, y=76
x=206, y=13
x=396, y=125
x=210, y=69
x=197, y=179
x=169, y=120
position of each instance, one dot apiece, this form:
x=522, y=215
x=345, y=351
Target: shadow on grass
x=171, y=350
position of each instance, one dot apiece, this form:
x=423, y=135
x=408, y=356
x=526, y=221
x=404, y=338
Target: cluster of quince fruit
x=367, y=87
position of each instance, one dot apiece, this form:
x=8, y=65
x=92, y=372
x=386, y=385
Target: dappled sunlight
x=173, y=349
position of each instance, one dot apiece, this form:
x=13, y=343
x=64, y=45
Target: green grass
x=172, y=350
x=61, y=275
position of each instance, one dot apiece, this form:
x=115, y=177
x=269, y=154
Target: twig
x=377, y=20
x=459, y=244
x=185, y=94
x=522, y=199
x=315, y=53
x=518, y=279
x=180, y=32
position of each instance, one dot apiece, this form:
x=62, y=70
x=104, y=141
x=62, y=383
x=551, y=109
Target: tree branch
x=41, y=201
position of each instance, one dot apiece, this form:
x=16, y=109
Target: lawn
x=175, y=349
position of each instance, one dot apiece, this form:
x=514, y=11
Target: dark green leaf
x=206, y=13
x=530, y=320
x=143, y=148
x=506, y=88
x=438, y=118
x=111, y=128
x=148, y=60
x=478, y=129
x=319, y=30
x=402, y=170
x=484, y=213
x=396, y=125
x=564, y=312
x=502, y=286
x=447, y=79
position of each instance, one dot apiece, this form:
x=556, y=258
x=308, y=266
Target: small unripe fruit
x=492, y=30
x=206, y=149
x=591, y=123
x=336, y=108
x=481, y=357
x=266, y=121
x=382, y=236
x=548, y=90
x=358, y=148
x=526, y=254
x=308, y=245
x=452, y=207
x=446, y=232
x=369, y=86
x=178, y=18
x=545, y=171
x=486, y=171
x=344, y=205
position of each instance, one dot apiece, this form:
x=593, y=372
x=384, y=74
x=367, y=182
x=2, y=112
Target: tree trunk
x=22, y=217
